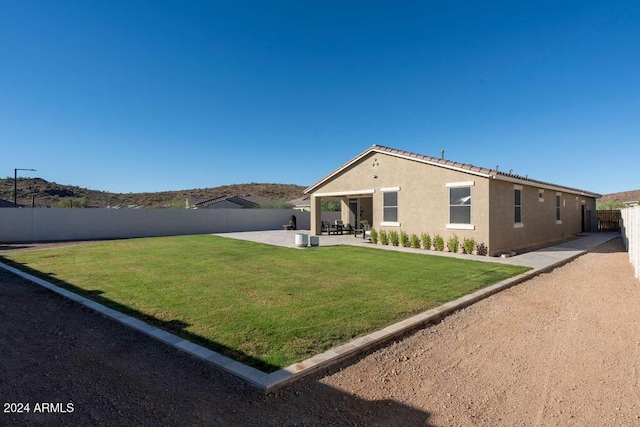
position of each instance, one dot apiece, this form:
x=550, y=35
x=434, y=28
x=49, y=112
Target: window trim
x=390, y=224
x=558, y=208
x=390, y=190
x=460, y=184
x=516, y=223
x=462, y=225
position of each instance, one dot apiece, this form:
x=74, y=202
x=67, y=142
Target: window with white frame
x=460, y=205
x=517, y=204
x=558, y=208
x=390, y=206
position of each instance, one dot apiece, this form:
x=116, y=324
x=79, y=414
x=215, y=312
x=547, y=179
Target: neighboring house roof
x=301, y=202
x=448, y=164
x=246, y=202
x=125, y=207
x=258, y=200
x=6, y=204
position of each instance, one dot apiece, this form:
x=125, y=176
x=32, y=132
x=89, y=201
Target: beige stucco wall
x=423, y=203
x=423, y=199
x=539, y=225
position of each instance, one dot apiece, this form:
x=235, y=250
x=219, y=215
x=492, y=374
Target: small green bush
x=394, y=238
x=404, y=239
x=453, y=243
x=468, y=245
x=426, y=240
x=438, y=242
x=374, y=236
x=384, y=237
x=415, y=241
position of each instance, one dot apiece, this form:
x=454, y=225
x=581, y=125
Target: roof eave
x=340, y=169
x=545, y=185
x=384, y=150
x=469, y=169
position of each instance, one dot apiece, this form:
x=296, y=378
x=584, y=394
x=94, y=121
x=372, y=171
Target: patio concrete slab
x=286, y=238
x=541, y=258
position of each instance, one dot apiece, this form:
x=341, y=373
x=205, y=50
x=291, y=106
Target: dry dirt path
x=560, y=349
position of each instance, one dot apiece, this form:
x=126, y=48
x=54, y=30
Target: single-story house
x=302, y=204
x=226, y=202
x=399, y=190
x=7, y=204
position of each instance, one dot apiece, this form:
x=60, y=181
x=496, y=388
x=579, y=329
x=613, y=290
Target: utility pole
x=15, y=184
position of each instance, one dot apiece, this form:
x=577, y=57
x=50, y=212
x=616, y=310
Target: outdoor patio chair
x=339, y=226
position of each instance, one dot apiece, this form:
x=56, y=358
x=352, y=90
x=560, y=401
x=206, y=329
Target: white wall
x=631, y=235
x=40, y=224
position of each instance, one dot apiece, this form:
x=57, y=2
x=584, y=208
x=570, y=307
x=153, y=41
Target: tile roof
x=301, y=201
x=6, y=204
x=243, y=202
x=449, y=164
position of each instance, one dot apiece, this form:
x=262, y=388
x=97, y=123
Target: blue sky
x=130, y=96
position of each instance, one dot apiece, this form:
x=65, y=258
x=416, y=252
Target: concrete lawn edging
x=268, y=382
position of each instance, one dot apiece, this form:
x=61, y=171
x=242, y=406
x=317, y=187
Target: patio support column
x=316, y=216
x=344, y=210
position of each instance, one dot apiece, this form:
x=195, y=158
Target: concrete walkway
x=540, y=261
x=545, y=258
x=563, y=252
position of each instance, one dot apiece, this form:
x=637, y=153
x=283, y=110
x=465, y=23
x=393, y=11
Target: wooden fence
x=609, y=220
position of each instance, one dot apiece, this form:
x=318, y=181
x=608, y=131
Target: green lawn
x=266, y=306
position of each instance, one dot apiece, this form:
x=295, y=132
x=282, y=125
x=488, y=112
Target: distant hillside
x=51, y=194
x=624, y=196
x=617, y=200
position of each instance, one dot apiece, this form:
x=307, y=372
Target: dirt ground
x=560, y=349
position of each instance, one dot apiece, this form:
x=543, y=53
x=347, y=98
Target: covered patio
x=355, y=207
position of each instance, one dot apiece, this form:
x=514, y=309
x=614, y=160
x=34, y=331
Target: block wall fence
x=631, y=235
x=42, y=224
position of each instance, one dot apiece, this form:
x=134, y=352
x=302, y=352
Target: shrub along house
x=398, y=190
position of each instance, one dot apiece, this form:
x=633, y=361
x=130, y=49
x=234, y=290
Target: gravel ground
x=560, y=349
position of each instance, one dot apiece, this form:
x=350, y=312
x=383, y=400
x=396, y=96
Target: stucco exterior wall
x=539, y=225
x=423, y=197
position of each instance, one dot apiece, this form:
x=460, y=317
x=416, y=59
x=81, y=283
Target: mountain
x=50, y=194
x=623, y=196
x=618, y=200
